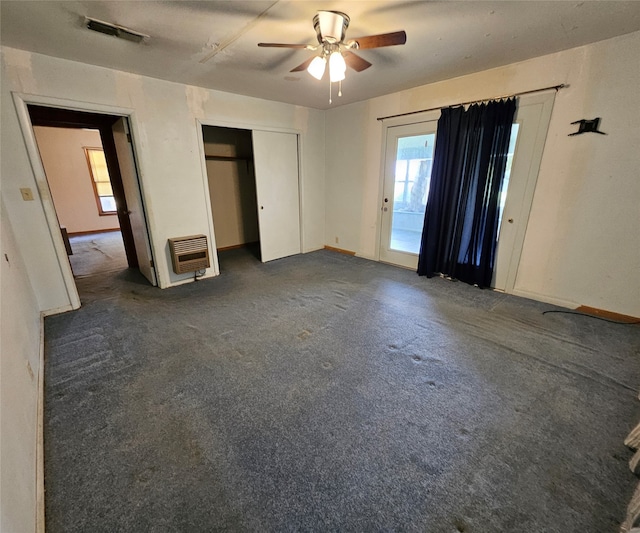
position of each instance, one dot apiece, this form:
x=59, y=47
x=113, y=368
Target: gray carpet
x=97, y=253
x=329, y=393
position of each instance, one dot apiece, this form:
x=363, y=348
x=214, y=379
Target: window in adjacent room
x=101, y=182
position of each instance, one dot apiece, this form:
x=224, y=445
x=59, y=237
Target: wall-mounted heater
x=189, y=254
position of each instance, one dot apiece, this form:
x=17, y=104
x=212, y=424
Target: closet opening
x=232, y=189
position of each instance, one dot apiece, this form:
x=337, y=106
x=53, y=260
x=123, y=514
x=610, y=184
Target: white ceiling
x=444, y=39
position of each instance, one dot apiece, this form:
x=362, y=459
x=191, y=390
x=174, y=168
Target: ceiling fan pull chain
x=330, y=102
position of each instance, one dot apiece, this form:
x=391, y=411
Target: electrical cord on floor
x=592, y=316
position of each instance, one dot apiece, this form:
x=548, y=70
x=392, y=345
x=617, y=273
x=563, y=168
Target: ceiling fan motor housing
x=331, y=26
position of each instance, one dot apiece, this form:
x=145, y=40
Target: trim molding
x=45, y=198
x=191, y=280
x=339, y=250
x=40, y=522
x=607, y=314
x=58, y=310
x=238, y=246
x=92, y=231
x=544, y=298
x=575, y=306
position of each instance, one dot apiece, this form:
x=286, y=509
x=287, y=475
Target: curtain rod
x=556, y=87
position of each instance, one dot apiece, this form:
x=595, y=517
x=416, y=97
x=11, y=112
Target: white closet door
x=275, y=157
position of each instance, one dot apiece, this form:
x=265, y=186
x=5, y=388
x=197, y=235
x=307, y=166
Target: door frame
x=417, y=118
x=200, y=122
x=397, y=257
x=21, y=101
x=539, y=133
x=59, y=118
x=546, y=99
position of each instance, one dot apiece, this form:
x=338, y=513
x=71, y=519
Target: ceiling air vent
x=115, y=30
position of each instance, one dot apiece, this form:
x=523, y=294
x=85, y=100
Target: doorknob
x=510, y=221
x=385, y=209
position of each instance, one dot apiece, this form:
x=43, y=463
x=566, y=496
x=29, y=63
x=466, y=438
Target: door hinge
x=129, y=137
x=151, y=263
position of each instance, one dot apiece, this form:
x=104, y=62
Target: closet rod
x=556, y=87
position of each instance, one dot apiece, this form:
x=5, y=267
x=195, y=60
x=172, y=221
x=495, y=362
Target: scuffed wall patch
x=19, y=70
x=129, y=88
x=197, y=98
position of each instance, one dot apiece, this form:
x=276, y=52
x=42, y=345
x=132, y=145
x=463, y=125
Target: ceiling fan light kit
x=317, y=66
x=337, y=67
x=331, y=28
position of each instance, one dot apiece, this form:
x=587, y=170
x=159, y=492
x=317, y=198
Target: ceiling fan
x=331, y=27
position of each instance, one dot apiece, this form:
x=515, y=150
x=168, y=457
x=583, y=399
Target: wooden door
x=135, y=210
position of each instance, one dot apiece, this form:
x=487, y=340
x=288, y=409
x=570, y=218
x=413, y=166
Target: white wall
x=168, y=144
x=65, y=163
x=19, y=363
x=582, y=245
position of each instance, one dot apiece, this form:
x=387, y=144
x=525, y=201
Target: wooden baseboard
x=91, y=232
x=607, y=314
x=237, y=246
x=339, y=250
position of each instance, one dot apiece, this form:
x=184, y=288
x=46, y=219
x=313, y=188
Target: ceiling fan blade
x=384, y=39
x=303, y=66
x=355, y=61
x=282, y=45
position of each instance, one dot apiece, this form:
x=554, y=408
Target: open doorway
x=82, y=194
x=92, y=177
x=232, y=190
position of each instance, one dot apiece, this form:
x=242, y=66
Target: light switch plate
x=27, y=194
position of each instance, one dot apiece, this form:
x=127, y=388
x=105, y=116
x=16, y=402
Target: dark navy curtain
x=461, y=219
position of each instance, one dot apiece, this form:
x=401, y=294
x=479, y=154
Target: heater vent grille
x=189, y=254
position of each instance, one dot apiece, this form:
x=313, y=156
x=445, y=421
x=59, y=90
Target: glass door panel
x=409, y=159
x=414, y=159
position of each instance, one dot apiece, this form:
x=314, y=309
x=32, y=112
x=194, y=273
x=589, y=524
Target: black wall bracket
x=587, y=126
